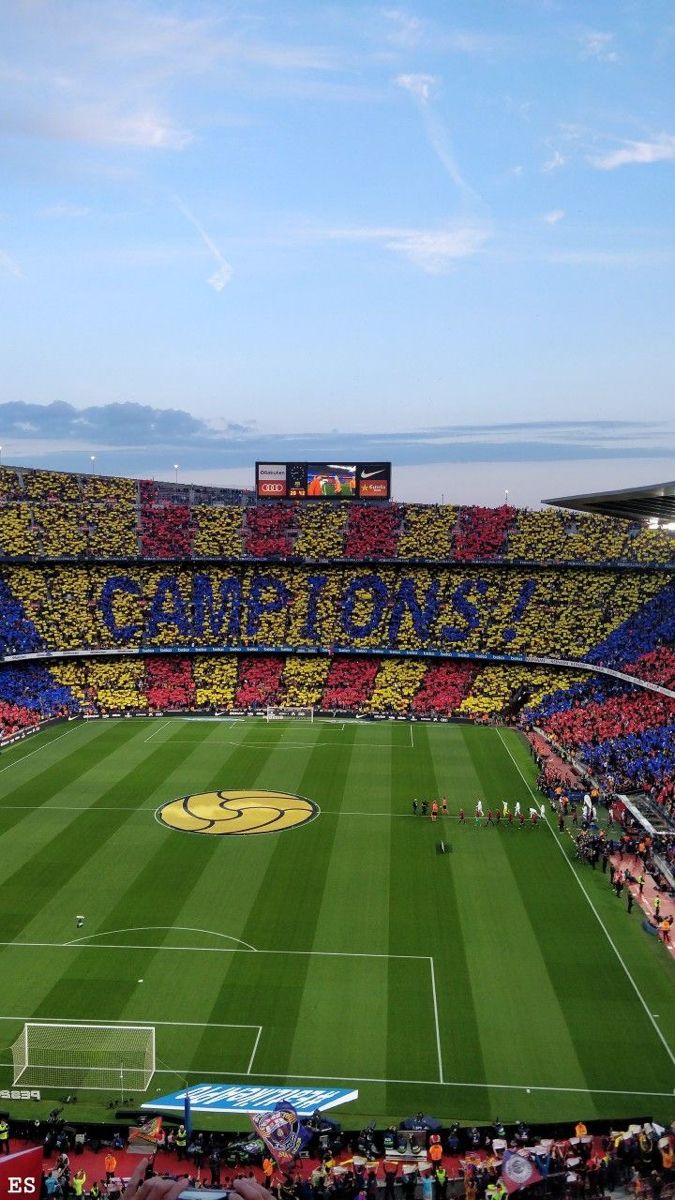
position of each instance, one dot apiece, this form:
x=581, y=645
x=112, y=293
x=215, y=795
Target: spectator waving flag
x=281, y=1132
x=518, y=1172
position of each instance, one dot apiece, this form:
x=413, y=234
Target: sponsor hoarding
x=253, y=1098
x=323, y=480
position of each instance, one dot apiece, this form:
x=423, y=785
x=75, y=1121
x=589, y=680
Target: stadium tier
x=55, y=515
x=167, y=598
x=451, y=582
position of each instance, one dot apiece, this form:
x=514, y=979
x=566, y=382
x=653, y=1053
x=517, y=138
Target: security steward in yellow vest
x=4, y=1137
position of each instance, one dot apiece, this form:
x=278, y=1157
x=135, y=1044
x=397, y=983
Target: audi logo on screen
x=270, y=487
x=271, y=479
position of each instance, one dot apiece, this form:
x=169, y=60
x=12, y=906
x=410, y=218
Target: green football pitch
x=497, y=979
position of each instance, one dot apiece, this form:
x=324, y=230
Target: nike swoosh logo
x=369, y=474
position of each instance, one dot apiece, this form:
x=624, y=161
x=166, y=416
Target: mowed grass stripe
x=573, y=949
x=228, y=892
x=51, y=857
x=453, y=755
x=413, y=1044
x=518, y=1003
x=343, y=1018
x=170, y=863
x=175, y=984
x=133, y=866
x=60, y=768
x=446, y=762
x=284, y=913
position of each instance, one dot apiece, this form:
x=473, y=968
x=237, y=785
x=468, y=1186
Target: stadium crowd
x=427, y=1161
x=59, y=515
x=434, y=580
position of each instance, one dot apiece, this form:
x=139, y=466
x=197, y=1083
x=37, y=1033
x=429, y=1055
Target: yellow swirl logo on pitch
x=234, y=813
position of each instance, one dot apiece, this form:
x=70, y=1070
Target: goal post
x=102, y=1057
x=290, y=712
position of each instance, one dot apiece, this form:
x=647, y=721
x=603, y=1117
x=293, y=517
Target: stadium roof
x=656, y=501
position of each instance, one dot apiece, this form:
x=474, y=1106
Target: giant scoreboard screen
x=323, y=481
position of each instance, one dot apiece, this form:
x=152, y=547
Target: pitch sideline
x=595, y=912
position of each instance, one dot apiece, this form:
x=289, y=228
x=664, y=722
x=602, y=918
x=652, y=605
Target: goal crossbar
x=86, y=1055
x=289, y=712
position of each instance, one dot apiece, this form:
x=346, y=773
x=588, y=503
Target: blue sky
x=341, y=221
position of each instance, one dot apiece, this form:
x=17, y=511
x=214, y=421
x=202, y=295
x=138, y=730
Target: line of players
x=491, y=817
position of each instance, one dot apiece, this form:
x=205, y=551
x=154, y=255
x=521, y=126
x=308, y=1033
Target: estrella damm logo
x=237, y=812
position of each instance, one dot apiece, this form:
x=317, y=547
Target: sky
x=438, y=232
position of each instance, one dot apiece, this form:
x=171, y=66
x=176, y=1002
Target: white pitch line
x=510, y=1087
x=207, y=1072
x=122, y=1021
x=163, y=929
x=506, y=1087
x=45, y=808
x=451, y=1083
x=327, y=812
x=209, y=950
x=253, y=1053
x=151, y=735
x=412, y=740
x=37, y=750
x=596, y=914
x=438, y=1032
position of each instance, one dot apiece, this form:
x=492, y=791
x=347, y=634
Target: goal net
x=282, y=714
x=105, y=1057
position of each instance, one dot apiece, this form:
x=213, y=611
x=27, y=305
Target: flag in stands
x=281, y=1132
x=518, y=1171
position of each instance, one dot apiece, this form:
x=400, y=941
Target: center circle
x=233, y=813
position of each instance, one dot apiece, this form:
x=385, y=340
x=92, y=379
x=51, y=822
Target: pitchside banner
x=323, y=481
x=21, y=1174
x=253, y=1098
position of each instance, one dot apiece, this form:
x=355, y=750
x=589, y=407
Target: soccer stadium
x=368, y=798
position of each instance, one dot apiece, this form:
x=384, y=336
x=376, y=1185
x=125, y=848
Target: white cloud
x=599, y=46
x=553, y=163
x=223, y=274
x=8, y=266
x=72, y=211
x=103, y=126
x=405, y=31
x=419, y=86
x=613, y=258
x=552, y=218
x=434, y=251
x=661, y=149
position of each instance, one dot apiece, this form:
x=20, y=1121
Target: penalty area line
x=253, y=1052
x=368, y=1079
x=45, y=745
x=150, y=736
x=205, y=950
x=448, y=1083
x=438, y=1031
x=595, y=912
